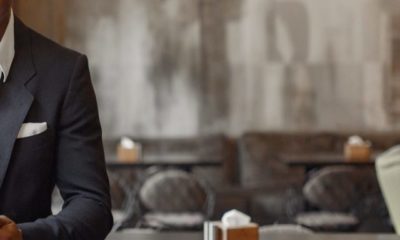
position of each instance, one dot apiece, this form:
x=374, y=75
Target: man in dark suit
x=50, y=135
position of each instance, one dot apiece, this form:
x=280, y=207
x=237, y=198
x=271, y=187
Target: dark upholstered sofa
x=254, y=179
x=277, y=188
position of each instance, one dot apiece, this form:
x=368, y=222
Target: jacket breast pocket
x=33, y=143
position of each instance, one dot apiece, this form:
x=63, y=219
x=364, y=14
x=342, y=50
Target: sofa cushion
x=327, y=221
x=287, y=229
x=174, y=221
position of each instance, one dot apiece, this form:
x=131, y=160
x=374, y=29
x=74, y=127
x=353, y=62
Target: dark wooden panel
x=45, y=16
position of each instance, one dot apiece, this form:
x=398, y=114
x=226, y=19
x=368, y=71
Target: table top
x=151, y=235
x=321, y=159
x=178, y=161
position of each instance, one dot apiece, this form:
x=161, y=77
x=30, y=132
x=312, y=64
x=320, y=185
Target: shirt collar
x=7, y=50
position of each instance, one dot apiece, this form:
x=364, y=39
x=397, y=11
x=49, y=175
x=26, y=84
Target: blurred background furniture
x=170, y=200
x=124, y=185
x=211, y=159
x=200, y=153
x=333, y=190
x=255, y=180
x=121, y=195
x=388, y=171
x=262, y=169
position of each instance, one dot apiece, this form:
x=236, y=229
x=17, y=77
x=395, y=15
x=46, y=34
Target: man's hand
x=9, y=230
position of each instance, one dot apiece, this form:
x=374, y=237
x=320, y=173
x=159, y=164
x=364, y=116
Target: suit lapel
x=15, y=99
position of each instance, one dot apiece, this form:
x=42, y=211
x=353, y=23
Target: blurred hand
x=9, y=230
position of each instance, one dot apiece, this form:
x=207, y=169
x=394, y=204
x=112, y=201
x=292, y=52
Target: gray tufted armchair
x=170, y=199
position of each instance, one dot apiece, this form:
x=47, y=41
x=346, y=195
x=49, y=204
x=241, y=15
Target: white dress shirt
x=7, y=50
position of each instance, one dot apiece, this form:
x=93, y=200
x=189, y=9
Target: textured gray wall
x=186, y=67
x=145, y=57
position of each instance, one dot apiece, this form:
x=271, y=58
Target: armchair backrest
x=175, y=191
x=334, y=188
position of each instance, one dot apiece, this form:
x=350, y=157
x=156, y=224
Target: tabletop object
x=357, y=149
x=128, y=150
x=357, y=153
x=218, y=231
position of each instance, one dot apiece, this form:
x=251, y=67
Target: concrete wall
x=179, y=67
x=309, y=64
x=146, y=63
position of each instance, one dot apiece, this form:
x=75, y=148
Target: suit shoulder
x=55, y=65
x=49, y=54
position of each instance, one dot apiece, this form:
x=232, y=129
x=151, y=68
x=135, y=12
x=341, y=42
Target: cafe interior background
x=244, y=82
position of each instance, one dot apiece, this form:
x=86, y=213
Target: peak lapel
x=15, y=99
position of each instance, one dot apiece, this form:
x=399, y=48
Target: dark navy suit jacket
x=49, y=83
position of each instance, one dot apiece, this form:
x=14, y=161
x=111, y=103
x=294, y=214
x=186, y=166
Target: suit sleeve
x=80, y=171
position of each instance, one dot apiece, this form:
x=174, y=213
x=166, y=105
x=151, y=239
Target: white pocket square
x=31, y=129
